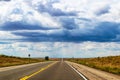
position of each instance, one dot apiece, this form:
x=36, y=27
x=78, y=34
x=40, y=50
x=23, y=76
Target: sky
x=60, y=28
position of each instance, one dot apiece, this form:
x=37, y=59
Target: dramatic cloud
x=49, y=8
x=104, y=32
x=16, y=13
x=67, y=22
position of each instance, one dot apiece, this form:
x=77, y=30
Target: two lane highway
x=46, y=71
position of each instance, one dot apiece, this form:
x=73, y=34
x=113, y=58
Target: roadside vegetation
x=12, y=60
x=110, y=64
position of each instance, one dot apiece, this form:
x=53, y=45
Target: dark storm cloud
x=48, y=8
x=11, y=26
x=103, y=32
x=69, y=23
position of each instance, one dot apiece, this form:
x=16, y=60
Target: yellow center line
x=42, y=69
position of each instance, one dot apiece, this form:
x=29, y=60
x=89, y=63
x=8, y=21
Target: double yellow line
x=42, y=69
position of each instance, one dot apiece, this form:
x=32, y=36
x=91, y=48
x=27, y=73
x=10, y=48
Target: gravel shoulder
x=94, y=74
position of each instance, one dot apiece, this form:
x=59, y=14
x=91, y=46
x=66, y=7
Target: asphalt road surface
x=16, y=74
x=45, y=71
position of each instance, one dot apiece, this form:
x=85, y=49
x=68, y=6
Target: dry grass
x=110, y=64
x=11, y=60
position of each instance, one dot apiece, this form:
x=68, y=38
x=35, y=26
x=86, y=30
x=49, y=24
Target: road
x=43, y=71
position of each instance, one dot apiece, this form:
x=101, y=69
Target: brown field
x=110, y=64
x=11, y=60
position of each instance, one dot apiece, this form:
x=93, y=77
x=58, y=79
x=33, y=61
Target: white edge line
x=78, y=72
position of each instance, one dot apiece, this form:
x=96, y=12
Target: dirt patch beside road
x=94, y=74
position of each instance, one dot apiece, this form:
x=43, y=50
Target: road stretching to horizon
x=43, y=71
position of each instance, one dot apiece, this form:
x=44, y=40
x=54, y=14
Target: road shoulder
x=93, y=74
